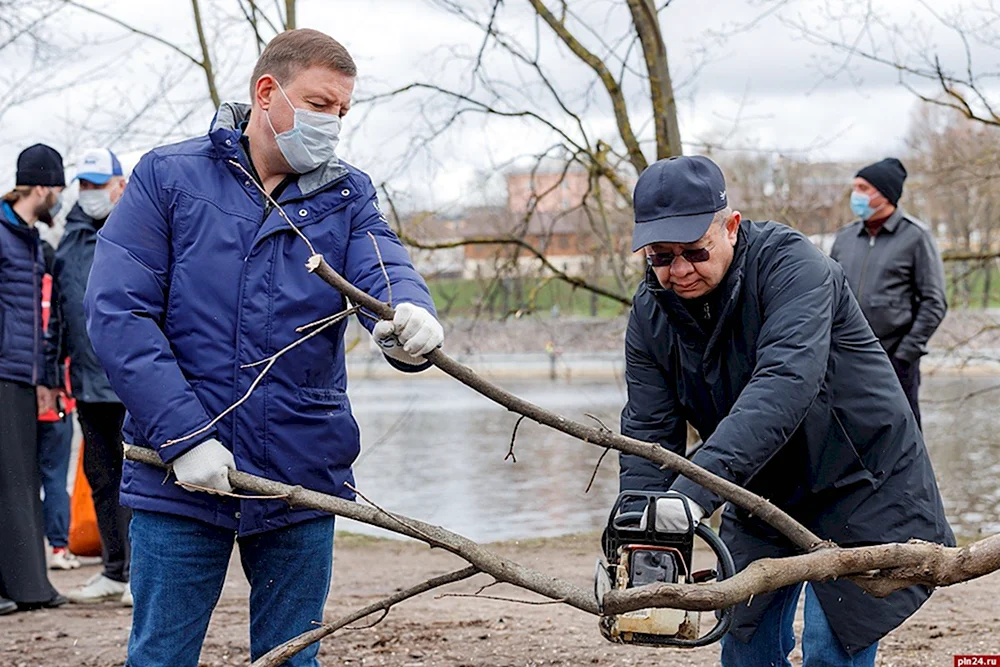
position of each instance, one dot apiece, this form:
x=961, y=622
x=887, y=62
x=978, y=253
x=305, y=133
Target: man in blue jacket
x=196, y=277
x=748, y=332
x=102, y=183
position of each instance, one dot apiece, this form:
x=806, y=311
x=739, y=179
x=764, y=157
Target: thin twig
x=596, y=419
x=275, y=204
x=597, y=467
x=306, y=327
x=482, y=588
x=324, y=324
x=385, y=612
x=388, y=283
x=499, y=599
x=228, y=494
x=280, y=654
x=513, y=437
x=253, y=385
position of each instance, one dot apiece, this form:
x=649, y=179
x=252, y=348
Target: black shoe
x=7, y=606
x=57, y=601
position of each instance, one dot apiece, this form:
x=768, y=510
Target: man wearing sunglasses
x=748, y=332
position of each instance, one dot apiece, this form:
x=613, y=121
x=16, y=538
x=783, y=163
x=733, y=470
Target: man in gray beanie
x=894, y=269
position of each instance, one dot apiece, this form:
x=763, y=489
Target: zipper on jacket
x=37, y=300
x=864, y=267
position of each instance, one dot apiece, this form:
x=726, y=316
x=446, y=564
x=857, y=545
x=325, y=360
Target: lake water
x=434, y=450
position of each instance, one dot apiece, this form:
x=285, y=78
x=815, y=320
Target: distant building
x=554, y=211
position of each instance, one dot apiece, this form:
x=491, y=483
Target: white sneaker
x=98, y=589
x=62, y=559
x=127, y=596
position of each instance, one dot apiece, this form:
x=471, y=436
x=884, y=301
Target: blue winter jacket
x=21, y=269
x=192, y=282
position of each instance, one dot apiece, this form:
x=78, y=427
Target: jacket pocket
x=326, y=438
x=888, y=314
x=834, y=461
x=322, y=399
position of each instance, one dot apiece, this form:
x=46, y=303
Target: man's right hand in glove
x=206, y=465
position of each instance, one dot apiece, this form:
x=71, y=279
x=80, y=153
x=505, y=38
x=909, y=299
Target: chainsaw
x=639, y=553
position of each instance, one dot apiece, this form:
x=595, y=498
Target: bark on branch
x=881, y=569
x=483, y=559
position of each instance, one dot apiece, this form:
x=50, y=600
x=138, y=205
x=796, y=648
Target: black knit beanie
x=40, y=165
x=887, y=176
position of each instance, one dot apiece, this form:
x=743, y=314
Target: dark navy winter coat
x=22, y=266
x=67, y=334
x=192, y=282
x=795, y=400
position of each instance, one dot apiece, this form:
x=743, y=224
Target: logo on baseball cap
x=98, y=166
x=676, y=200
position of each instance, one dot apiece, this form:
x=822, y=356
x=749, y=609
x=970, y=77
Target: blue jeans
x=55, y=440
x=179, y=566
x=774, y=639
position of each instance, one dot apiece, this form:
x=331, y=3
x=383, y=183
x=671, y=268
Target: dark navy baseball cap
x=676, y=200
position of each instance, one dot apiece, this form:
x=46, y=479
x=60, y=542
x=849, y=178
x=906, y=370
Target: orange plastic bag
x=84, y=538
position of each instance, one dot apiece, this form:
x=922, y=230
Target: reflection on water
x=962, y=429
x=434, y=450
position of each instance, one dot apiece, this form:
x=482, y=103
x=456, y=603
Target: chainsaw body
x=639, y=553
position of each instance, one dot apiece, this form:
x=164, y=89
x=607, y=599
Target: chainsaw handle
x=727, y=568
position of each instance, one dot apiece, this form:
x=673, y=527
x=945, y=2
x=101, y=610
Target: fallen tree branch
x=601, y=437
x=278, y=655
x=880, y=569
x=500, y=568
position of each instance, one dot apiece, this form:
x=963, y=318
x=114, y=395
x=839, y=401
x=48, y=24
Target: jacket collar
x=12, y=222
x=676, y=311
x=225, y=133
x=890, y=224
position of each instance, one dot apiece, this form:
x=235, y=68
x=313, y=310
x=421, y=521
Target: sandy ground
x=431, y=631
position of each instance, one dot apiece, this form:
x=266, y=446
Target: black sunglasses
x=693, y=255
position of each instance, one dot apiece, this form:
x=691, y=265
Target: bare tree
x=515, y=79
x=963, y=82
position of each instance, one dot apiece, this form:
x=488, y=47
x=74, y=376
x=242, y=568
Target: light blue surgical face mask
x=312, y=141
x=861, y=205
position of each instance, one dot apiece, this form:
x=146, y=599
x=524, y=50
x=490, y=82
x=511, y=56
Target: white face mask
x=312, y=141
x=96, y=203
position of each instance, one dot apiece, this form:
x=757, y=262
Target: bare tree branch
x=615, y=92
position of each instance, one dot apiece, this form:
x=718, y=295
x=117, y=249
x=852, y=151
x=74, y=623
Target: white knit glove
x=670, y=514
x=206, y=465
x=411, y=334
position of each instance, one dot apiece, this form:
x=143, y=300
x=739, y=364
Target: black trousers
x=23, y=574
x=102, y=463
x=909, y=376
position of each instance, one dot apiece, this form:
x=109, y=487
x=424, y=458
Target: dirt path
x=430, y=631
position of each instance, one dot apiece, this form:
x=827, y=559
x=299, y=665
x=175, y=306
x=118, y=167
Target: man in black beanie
x=895, y=270
x=24, y=583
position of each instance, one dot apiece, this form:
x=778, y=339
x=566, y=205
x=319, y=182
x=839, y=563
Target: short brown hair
x=292, y=51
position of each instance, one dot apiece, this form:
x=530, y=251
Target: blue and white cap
x=98, y=166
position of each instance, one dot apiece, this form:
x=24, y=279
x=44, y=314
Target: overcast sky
x=762, y=86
